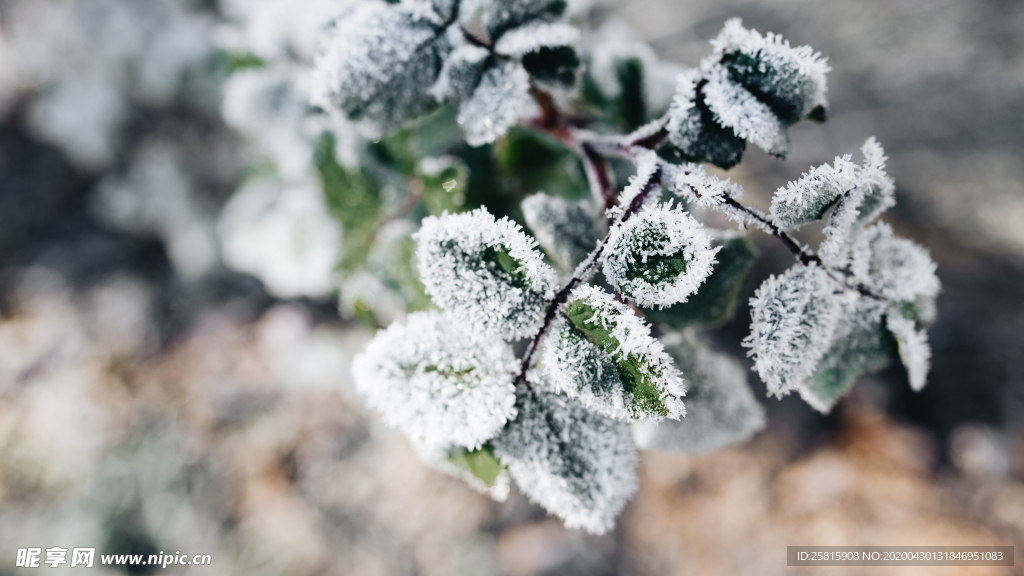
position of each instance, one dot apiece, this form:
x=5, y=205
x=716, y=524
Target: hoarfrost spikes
x=496, y=104
x=659, y=257
x=436, y=382
x=794, y=317
x=895, y=268
x=807, y=199
x=488, y=274
x=600, y=352
x=575, y=463
x=735, y=107
x=722, y=409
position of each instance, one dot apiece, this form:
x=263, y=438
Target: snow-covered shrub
x=435, y=128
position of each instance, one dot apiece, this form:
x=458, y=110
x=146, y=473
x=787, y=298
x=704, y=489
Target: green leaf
x=784, y=87
x=353, y=198
x=565, y=230
x=481, y=463
x=716, y=300
x=861, y=345
x=631, y=106
x=528, y=162
x=645, y=393
x=237, y=61
x=553, y=65
x=698, y=138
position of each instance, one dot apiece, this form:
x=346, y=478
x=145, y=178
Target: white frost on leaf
x=521, y=41
x=613, y=45
x=602, y=353
x=496, y=104
x=793, y=77
x=660, y=256
x=721, y=407
x=735, y=107
x=283, y=235
x=794, y=318
x=488, y=273
x=915, y=353
x=380, y=62
x=575, y=463
x=565, y=230
x=893, y=267
x=433, y=380
x=807, y=199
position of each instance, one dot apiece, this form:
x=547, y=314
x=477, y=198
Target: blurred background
x=155, y=398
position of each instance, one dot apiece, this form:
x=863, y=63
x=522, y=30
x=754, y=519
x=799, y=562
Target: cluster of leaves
x=467, y=97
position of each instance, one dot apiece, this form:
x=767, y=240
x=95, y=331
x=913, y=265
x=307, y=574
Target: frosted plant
x=604, y=354
x=472, y=108
x=660, y=257
x=577, y=464
x=437, y=382
x=486, y=272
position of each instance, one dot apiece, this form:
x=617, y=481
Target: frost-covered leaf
x=716, y=300
x=565, y=230
x=733, y=106
x=487, y=273
x=381, y=61
x=603, y=354
x=436, y=382
x=721, y=408
x=791, y=81
x=807, y=199
x=794, y=318
x=659, y=257
x=861, y=345
x=575, y=463
x=496, y=103
x=914, y=350
x=894, y=267
x=872, y=195
x=693, y=131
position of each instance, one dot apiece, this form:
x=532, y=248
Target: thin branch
x=580, y=275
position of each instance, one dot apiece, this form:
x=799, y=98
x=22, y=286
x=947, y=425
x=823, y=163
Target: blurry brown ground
x=139, y=413
x=242, y=439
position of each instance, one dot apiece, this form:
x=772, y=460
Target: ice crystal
x=499, y=16
x=534, y=36
x=647, y=167
x=602, y=353
x=793, y=320
x=381, y=61
x=488, y=273
x=436, y=382
x=721, y=407
x=564, y=229
x=575, y=463
x=659, y=257
x=461, y=73
x=807, y=199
